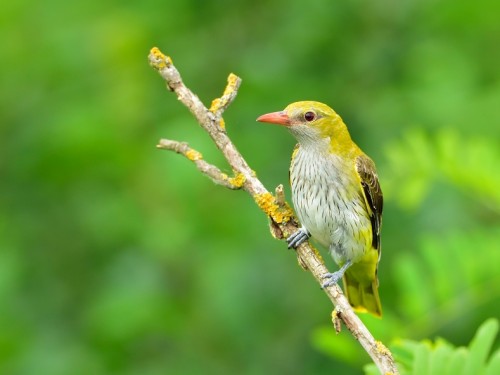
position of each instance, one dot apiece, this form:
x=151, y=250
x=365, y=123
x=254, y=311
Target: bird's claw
x=332, y=278
x=297, y=238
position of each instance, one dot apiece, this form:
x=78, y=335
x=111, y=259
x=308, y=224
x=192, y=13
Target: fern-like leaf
x=441, y=358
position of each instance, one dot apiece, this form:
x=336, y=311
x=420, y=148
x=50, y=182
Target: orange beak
x=280, y=118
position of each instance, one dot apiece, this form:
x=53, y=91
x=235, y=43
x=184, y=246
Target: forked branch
x=283, y=222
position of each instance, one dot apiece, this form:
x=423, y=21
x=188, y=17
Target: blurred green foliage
x=117, y=258
x=441, y=358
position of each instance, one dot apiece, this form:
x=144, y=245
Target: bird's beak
x=280, y=118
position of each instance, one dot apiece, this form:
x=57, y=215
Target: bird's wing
x=372, y=194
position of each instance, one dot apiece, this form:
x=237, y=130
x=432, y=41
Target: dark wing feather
x=373, y=195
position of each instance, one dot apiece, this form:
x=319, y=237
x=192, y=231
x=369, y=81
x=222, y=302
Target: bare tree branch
x=204, y=167
x=282, y=220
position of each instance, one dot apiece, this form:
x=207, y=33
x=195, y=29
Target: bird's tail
x=362, y=292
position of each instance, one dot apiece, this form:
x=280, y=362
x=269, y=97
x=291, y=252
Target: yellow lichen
x=318, y=254
x=381, y=348
x=216, y=104
x=283, y=215
x=194, y=155
x=161, y=60
x=222, y=124
x=337, y=324
x=232, y=81
x=267, y=203
x=237, y=180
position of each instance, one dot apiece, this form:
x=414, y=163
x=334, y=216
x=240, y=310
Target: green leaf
x=480, y=347
x=493, y=367
x=421, y=363
x=441, y=358
x=457, y=362
x=403, y=350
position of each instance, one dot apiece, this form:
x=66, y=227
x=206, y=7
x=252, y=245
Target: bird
x=337, y=198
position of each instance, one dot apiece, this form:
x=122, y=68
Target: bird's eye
x=309, y=116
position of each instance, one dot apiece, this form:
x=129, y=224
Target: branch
x=208, y=169
x=282, y=220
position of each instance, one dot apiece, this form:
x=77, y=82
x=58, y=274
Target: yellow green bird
x=337, y=198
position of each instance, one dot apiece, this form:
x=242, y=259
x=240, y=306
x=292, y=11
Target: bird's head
x=310, y=122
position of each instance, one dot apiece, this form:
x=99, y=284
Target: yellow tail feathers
x=362, y=293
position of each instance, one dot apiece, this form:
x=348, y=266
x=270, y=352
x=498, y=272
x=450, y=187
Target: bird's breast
x=328, y=203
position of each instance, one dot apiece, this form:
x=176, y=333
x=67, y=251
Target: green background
x=118, y=258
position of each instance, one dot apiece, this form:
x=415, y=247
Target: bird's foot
x=298, y=237
x=332, y=278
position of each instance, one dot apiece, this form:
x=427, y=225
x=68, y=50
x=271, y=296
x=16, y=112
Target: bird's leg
x=298, y=237
x=334, y=277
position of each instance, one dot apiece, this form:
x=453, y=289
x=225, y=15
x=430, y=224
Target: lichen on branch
x=280, y=214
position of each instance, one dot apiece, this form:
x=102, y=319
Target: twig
x=283, y=222
x=204, y=167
